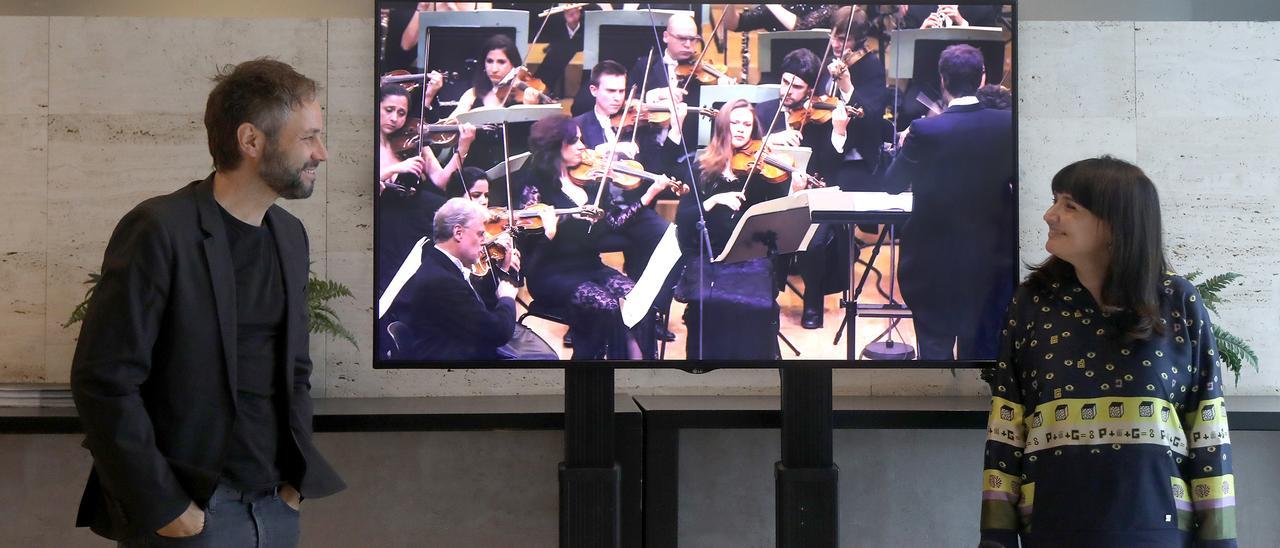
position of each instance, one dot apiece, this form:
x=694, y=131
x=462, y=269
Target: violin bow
x=608, y=164
x=644, y=82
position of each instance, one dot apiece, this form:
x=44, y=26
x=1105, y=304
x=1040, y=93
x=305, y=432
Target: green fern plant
x=322, y=319
x=1233, y=350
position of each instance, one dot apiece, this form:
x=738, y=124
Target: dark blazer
x=870, y=94
x=959, y=239
x=447, y=319
x=154, y=373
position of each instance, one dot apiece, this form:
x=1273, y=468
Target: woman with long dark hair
x=1107, y=424
x=562, y=265
x=732, y=310
x=500, y=58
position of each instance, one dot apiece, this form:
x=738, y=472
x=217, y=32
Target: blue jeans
x=233, y=518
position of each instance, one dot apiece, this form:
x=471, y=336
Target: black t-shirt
x=253, y=459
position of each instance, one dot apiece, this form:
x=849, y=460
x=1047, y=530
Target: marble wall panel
x=1219, y=188
x=1079, y=68
x=1046, y=145
x=24, y=65
x=22, y=316
x=1207, y=69
x=351, y=56
x=139, y=65
x=24, y=155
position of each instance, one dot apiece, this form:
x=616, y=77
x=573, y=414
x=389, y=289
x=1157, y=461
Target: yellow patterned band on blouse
x=1005, y=424
x=1208, y=424
x=1105, y=421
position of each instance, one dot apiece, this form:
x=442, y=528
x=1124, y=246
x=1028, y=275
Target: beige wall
x=97, y=113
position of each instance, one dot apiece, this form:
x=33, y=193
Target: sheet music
x=637, y=303
x=407, y=269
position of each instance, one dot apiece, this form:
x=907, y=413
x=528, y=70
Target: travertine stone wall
x=100, y=113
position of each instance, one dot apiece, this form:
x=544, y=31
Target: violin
x=703, y=72
x=851, y=57
x=405, y=141
x=517, y=81
x=410, y=81
x=529, y=219
x=638, y=112
x=627, y=174
x=819, y=111
x=774, y=168
x=495, y=253
x=658, y=115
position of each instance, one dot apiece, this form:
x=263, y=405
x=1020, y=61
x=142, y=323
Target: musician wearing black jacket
x=642, y=231
x=957, y=262
x=451, y=314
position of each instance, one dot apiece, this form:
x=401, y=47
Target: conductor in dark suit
x=192, y=377
x=452, y=315
x=957, y=266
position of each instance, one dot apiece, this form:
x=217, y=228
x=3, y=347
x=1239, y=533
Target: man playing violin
x=800, y=70
x=855, y=74
x=639, y=236
x=448, y=313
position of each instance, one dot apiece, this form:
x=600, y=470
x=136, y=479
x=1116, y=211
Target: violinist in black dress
x=732, y=311
x=562, y=265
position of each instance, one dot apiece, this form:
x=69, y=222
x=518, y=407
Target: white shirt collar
x=605, y=124
x=456, y=262
x=572, y=30
x=961, y=101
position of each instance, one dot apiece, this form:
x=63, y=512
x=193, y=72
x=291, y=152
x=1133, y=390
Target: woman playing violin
x=405, y=206
x=562, y=265
x=393, y=106
x=500, y=58
x=735, y=302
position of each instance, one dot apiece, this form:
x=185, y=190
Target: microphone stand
x=704, y=237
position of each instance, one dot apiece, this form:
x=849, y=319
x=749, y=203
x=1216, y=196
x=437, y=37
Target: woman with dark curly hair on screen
x=563, y=267
x=1107, y=424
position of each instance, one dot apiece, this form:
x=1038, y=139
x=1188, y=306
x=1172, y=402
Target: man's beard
x=283, y=178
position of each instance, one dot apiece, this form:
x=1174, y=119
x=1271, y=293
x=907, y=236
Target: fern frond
x=1217, y=283
x=1234, y=351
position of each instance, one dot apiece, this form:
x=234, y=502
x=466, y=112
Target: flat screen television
x=875, y=227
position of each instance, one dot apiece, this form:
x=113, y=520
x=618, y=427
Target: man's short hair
x=961, y=67
x=802, y=63
x=854, y=20
x=455, y=212
x=609, y=67
x=262, y=92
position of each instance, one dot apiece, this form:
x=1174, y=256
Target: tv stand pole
x=806, y=477
x=590, y=479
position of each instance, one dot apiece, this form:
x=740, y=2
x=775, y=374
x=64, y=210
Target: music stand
x=627, y=34
x=849, y=208
x=510, y=115
x=715, y=95
x=912, y=48
x=499, y=170
x=769, y=228
x=776, y=45
x=457, y=32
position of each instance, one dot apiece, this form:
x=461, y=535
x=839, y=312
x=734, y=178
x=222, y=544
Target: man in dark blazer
x=451, y=315
x=957, y=262
x=821, y=266
x=192, y=376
